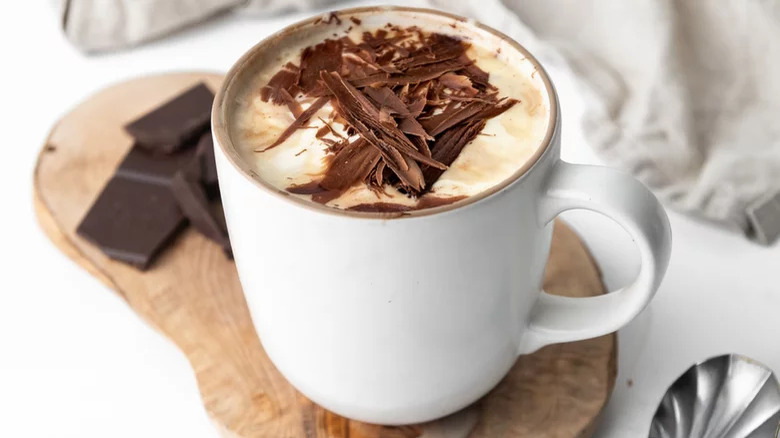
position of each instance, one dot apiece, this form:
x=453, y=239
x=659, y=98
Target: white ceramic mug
x=406, y=319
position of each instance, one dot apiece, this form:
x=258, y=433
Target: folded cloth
x=683, y=94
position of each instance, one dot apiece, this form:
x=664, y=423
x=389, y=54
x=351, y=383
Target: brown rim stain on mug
x=220, y=130
x=192, y=296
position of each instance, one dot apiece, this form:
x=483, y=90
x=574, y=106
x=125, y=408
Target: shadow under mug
x=397, y=320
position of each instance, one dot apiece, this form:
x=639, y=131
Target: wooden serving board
x=192, y=295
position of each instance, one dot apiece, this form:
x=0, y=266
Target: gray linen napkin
x=684, y=94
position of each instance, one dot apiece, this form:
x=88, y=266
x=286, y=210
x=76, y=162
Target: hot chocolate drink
x=368, y=115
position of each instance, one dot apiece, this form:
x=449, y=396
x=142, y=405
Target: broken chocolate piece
x=132, y=220
x=175, y=123
x=142, y=165
x=138, y=212
x=194, y=204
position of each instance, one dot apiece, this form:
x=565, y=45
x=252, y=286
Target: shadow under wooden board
x=191, y=294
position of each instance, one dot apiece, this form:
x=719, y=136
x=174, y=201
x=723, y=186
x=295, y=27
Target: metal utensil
x=728, y=396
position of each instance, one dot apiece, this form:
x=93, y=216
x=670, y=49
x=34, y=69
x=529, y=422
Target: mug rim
x=220, y=130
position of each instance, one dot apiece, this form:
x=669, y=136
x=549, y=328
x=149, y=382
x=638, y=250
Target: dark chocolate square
x=195, y=206
x=132, y=220
x=142, y=165
x=205, y=151
x=173, y=124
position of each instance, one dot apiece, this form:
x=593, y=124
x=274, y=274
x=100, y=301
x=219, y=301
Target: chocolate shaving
x=325, y=56
x=436, y=201
x=497, y=109
x=438, y=48
x=333, y=146
x=422, y=145
x=489, y=101
x=383, y=59
x=467, y=113
x=327, y=126
x=447, y=148
x=295, y=107
x=409, y=103
x=379, y=39
x=318, y=193
x=391, y=207
x=458, y=82
x=451, y=117
x=306, y=189
x=351, y=165
x=411, y=126
x=478, y=77
x=397, y=150
x=298, y=122
x=285, y=80
x=379, y=174
x=375, y=80
x=322, y=132
x=416, y=107
x=385, y=98
x=384, y=207
x=385, y=118
x=413, y=75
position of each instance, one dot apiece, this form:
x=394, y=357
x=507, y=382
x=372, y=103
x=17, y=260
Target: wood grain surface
x=192, y=295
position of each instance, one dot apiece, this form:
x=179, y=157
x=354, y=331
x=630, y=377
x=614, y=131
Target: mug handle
x=625, y=200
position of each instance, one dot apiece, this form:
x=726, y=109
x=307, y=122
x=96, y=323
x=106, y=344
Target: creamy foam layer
x=506, y=143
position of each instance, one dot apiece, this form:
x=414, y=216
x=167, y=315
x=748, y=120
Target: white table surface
x=75, y=361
